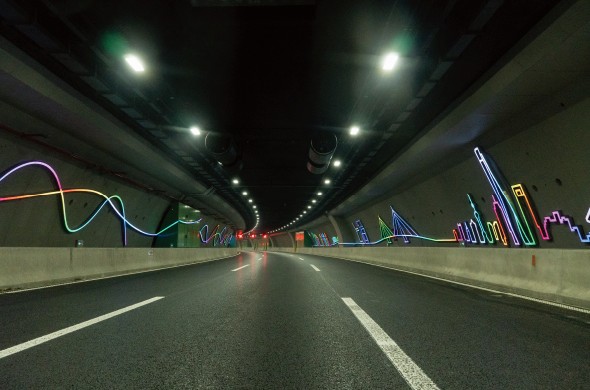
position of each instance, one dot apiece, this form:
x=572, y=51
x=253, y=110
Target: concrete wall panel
x=29, y=267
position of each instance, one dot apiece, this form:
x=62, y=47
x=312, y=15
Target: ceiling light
x=134, y=62
x=354, y=130
x=244, y=193
x=313, y=201
x=250, y=200
x=308, y=207
x=337, y=163
x=235, y=181
x=320, y=193
x=327, y=181
x=389, y=61
x=304, y=211
x=195, y=130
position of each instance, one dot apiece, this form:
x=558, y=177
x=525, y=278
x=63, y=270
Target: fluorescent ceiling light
x=389, y=61
x=134, y=62
x=195, y=130
x=354, y=130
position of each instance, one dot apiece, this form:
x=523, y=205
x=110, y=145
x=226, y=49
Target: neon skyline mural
x=222, y=238
x=516, y=221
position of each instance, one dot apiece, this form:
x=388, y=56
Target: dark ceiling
x=270, y=75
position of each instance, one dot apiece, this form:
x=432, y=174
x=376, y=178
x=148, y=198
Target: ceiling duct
x=223, y=148
x=321, y=150
x=250, y=3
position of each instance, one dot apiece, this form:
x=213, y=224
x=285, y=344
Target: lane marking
x=73, y=328
x=244, y=266
x=314, y=267
x=409, y=370
x=537, y=300
x=301, y=259
x=560, y=305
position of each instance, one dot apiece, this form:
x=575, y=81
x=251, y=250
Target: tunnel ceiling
x=270, y=76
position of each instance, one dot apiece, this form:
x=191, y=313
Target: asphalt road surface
x=286, y=321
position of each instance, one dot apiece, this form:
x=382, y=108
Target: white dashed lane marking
x=73, y=328
x=409, y=370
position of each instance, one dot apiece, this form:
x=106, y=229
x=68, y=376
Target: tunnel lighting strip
x=107, y=200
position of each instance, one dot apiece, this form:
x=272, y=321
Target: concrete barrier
x=32, y=267
x=557, y=275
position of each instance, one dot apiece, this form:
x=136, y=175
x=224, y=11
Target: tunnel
x=292, y=194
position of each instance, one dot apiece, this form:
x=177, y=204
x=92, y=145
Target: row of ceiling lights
x=354, y=131
x=196, y=131
x=387, y=65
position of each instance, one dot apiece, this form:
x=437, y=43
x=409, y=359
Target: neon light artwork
x=223, y=237
x=514, y=213
x=386, y=232
x=359, y=228
x=107, y=200
x=321, y=240
x=401, y=229
x=516, y=221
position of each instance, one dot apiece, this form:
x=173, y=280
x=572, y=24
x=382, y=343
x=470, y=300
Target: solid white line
x=556, y=304
x=409, y=370
x=537, y=300
x=300, y=259
x=62, y=332
x=18, y=290
x=244, y=266
x=314, y=267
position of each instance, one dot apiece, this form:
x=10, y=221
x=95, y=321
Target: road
x=264, y=320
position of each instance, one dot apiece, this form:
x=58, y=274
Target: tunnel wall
x=31, y=267
x=282, y=240
x=39, y=221
x=549, y=159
